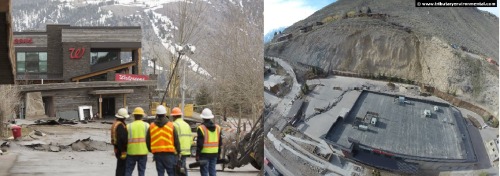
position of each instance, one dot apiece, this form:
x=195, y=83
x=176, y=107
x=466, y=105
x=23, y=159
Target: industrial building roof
x=403, y=129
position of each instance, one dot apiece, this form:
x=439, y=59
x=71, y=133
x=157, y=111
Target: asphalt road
x=93, y=163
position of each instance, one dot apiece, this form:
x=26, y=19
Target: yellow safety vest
x=211, y=139
x=185, y=136
x=137, y=138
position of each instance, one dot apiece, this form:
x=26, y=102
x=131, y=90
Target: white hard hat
x=206, y=114
x=161, y=109
x=122, y=113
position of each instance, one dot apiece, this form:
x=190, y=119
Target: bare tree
x=239, y=65
x=188, y=19
x=10, y=100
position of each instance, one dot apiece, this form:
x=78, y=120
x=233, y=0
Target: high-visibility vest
x=137, y=138
x=185, y=136
x=162, y=138
x=211, y=139
x=115, y=125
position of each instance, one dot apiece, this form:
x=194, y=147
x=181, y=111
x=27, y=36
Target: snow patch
x=150, y=3
x=103, y=18
x=273, y=80
x=166, y=38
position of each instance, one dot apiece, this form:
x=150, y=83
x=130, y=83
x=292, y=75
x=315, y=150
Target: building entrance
x=108, y=107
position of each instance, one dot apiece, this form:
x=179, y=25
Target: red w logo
x=76, y=53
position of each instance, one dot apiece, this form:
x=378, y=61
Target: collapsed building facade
x=80, y=71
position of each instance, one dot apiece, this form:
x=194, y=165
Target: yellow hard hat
x=139, y=111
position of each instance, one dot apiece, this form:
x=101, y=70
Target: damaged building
x=80, y=72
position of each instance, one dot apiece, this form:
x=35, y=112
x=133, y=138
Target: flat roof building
x=396, y=137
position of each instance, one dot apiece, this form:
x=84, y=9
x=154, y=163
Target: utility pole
x=183, y=87
x=154, y=66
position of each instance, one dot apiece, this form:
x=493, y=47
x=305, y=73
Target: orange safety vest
x=211, y=139
x=113, y=131
x=162, y=139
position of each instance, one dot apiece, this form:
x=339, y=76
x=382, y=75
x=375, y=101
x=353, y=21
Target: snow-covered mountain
x=270, y=35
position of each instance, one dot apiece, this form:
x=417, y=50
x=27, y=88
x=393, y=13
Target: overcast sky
x=283, y=13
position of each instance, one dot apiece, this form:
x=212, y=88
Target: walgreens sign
x=23, y=41
x=130, y=77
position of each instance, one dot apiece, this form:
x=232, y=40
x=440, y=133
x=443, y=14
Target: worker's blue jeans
x=183, y=162
x=141, y=164
x=209, y=168
x=165, y=162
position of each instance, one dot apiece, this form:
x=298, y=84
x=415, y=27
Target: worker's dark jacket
x=160, y=123
x=121, y=139
x=201, y=139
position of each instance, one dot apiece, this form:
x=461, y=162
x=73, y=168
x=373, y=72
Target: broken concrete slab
x=66, y=121
x=5, y=144
x=38, y=133
x=78, y=146
x=46, y=122
x=53, y=148
x=90, y=145
x=34, y=142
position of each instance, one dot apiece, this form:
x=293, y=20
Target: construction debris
x=66, y=121
x=5, y=144
x=53, y=148
x=90, y=145
x=79, y=145
x=59, y=121
x=38, y=133
x=46, y=122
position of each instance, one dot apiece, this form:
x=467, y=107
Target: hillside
x=445, y=47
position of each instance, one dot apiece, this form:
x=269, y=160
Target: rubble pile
x=79, y=145
x=90, y=145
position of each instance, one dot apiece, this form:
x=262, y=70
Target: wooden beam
x=116, y=91
x=124, y=100
x=100, y=106
x=139, y=64
x=78, y=78
x=84, y=85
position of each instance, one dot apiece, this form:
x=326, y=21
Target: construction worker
x=163, y=142
x=119, y=140
x=208, y=143
x=137, y=150
x=185, y=136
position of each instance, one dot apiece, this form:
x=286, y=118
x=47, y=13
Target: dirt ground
x=31, y=154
